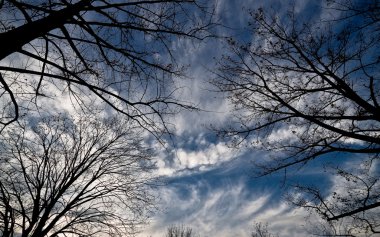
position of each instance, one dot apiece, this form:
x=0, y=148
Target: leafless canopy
x=304, y=89
x=261, y=230
x=90, y=178
x=180, y=231
x=352, y=207
x=117, y=51
x=319, y=83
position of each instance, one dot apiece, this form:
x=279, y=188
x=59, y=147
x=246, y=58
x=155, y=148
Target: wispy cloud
x=227, y=207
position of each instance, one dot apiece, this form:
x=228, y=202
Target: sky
x=209, y=186
x=204, y=183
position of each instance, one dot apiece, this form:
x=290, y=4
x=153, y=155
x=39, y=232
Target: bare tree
x=180, y=231
x=60, y=178
x=304, y=90
x=117, y=51
x=261, y=230
x=351, y=207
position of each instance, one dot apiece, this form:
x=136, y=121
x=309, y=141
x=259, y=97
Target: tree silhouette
x=59, y=178
x=180, y=231
x=307, y=89
x=351, y=208
x=117, y=51
x=261, y=230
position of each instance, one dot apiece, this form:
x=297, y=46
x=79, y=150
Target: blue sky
x=209, y=186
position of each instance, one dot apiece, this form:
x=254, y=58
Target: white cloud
x=213, y=154
x=204, y=156
x=224, y=211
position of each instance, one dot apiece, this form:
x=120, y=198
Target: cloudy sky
x=204, y=183
x=209, y=186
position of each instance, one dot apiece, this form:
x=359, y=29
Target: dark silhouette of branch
x=119, y=53
x=261, y=230
x=78, y=177
x=353, y=212
x=180, y=231
x=305, y=89
x=353, y=203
